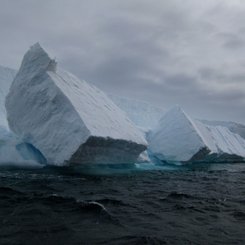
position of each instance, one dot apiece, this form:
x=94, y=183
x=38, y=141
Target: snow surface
x=143, y=114
x=179, y=138
x=234, y=127
x=57, y=113
x=221, y=140
x=6, y=78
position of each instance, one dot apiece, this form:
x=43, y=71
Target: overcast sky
x=186, y=52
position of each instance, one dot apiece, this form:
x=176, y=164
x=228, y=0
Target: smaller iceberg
x=178, y=138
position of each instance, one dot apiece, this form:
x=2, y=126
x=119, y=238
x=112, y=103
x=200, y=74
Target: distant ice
x=143, y=114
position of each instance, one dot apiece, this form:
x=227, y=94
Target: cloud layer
x=190, y=53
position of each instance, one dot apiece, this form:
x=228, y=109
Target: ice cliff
x=68, y=120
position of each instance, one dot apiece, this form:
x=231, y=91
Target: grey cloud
x=182, y=80
x=223, y=76
x=231, y=41
x=166, y=52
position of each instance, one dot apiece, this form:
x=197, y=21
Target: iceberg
x=178, y=138
x=68, y=120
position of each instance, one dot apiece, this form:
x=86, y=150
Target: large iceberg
x=178, y=138
x=69, y=121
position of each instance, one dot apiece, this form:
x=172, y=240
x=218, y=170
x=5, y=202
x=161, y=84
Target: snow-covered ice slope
x=6, y=78
x=234, y=127
x=68, y=120
x=143, y=114
x=221, y=140
x=179, y=138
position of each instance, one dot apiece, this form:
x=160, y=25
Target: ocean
x=196, y=204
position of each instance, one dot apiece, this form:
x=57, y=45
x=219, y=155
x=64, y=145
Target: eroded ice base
x=107, y=151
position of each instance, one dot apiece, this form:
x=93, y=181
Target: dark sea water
x=202, y=204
